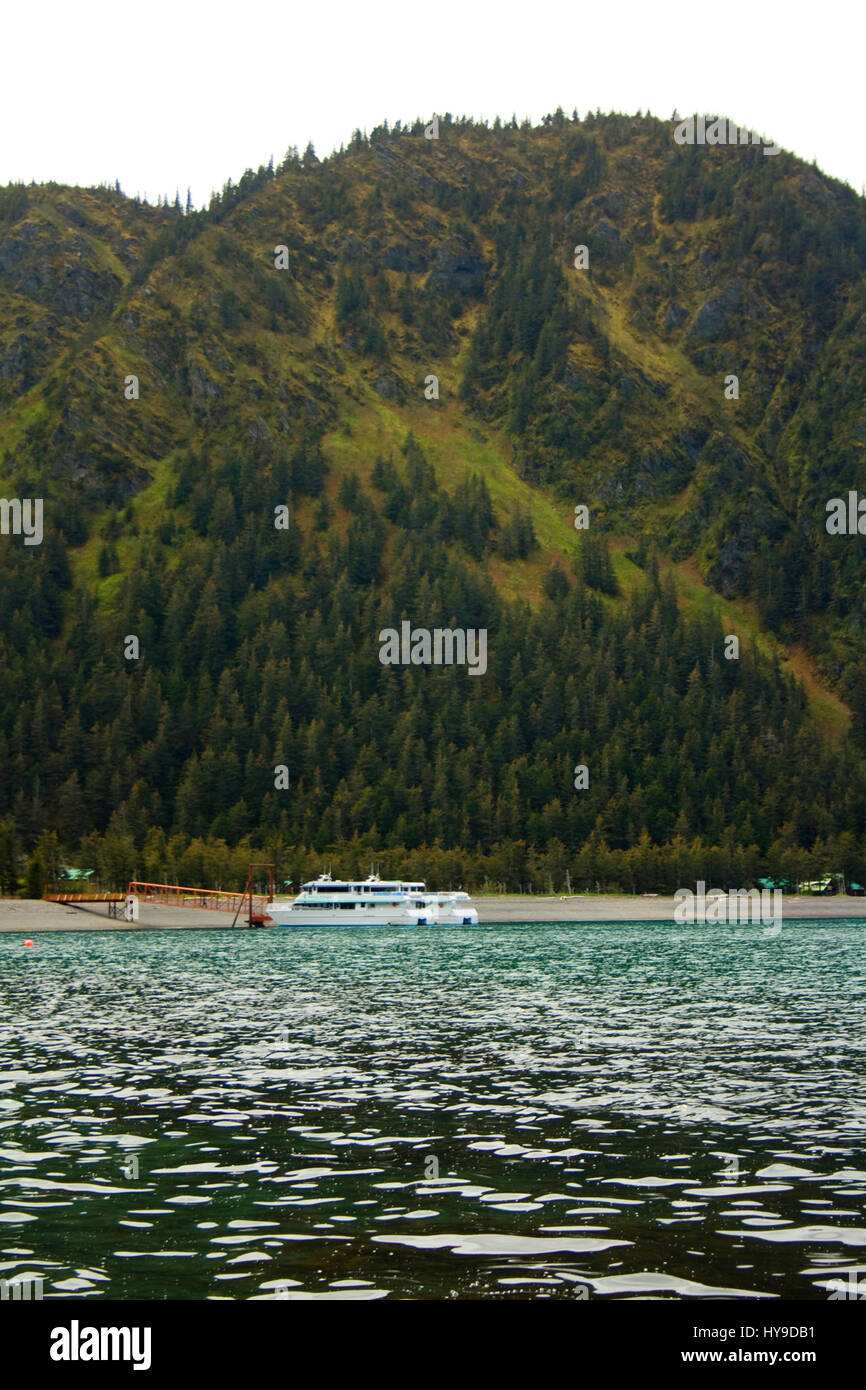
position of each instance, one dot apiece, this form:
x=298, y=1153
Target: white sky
x=168, y=95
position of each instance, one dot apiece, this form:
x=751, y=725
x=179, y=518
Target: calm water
x=551, y=1110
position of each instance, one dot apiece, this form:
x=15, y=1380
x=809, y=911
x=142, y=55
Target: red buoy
x=29, y=941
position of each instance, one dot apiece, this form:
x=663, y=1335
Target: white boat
x=373, y=901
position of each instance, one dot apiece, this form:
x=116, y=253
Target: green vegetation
x=558, y=386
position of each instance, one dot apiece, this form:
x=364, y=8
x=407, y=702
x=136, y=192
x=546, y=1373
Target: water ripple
x=552, y=1110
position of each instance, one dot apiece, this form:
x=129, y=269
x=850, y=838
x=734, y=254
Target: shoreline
x=27, y=915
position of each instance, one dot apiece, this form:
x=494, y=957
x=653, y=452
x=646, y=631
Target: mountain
x=379, y=388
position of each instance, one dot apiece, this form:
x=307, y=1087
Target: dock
x=114, y=900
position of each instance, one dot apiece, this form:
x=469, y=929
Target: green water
x=499, y=1111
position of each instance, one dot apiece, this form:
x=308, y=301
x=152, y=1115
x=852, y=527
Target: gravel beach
x=33, y=915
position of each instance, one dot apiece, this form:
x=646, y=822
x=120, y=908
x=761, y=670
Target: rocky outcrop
x=730, y=571
x=388, y=387
x=18, y=361
x=458, y=269
x=36, y=265
x=202, y=387
x=404, y=258
x=605, y=231
x=716, y=316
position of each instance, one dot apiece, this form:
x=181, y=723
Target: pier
x=114, y=900
x=179, y=895
x=212, y=899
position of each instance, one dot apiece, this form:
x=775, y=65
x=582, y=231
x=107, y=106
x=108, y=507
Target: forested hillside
x=166, y=389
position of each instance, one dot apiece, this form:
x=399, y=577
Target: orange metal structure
x=209, y=899
x=82, y=897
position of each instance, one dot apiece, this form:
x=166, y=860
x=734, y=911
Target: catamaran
x=373, y=901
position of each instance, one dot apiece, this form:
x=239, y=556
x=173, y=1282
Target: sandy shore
x=32, y=915
x=599, y=908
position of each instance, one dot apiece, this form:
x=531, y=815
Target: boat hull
x=371, y=917
x=322, y=917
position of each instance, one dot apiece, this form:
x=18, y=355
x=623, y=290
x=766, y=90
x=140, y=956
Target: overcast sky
x=165, y=96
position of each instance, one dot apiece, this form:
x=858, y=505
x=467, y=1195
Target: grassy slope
x=451, y=438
